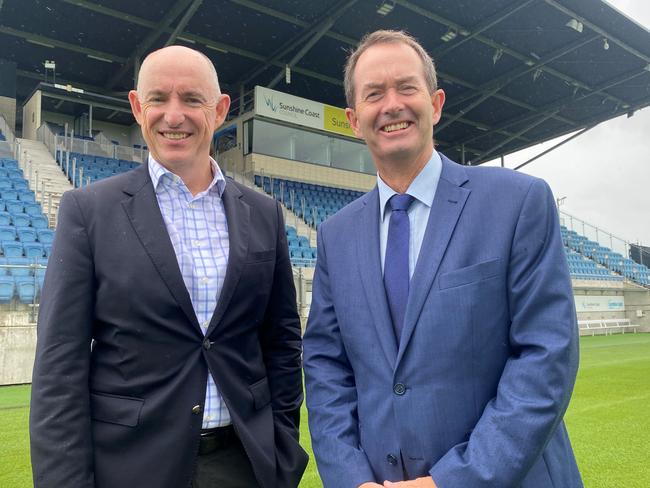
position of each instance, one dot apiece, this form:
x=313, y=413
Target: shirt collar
x=422, y=188
x=161, y=175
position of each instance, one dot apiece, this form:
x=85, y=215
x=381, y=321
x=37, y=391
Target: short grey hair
x=387, y=37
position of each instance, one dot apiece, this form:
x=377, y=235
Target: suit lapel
x=142, y=209
x=238, y=218
x=370, y=271
x=447, y=206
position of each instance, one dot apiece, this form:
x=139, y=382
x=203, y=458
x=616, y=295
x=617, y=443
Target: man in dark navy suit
x=181, y=280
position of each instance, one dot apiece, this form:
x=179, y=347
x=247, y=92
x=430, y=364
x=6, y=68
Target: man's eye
x=194, y=101
x=374, y=95
x=408, y=89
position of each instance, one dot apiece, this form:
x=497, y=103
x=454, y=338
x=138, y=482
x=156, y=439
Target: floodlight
x=449, y=35
x=575, y=24
x=386, y=7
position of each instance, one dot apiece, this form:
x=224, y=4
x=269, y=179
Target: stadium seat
x=20, y=266
x=45, y=236
x=20, y=219
x=39, y=222
x=26, y=288
x=12, y=249
x=33, y=250
x=7, y=233
x=26, y=234
x=7, y=289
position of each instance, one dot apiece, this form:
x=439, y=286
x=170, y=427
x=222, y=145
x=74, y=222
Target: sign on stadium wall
x=587, y=303
x=300, y=111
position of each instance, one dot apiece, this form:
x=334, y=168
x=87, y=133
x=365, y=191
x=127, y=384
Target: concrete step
x=44, y=175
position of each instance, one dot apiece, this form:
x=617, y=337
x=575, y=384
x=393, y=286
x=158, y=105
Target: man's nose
x=393, y=101
x=174, y=114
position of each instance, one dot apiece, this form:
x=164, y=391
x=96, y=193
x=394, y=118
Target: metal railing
x=596, y=234
x=101, y=146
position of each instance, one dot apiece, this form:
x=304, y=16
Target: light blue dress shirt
x=423, y=189
x=198, y=231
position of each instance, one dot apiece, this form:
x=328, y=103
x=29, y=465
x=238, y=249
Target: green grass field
x=608, y=419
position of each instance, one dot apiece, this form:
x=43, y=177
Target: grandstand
x=506, y=90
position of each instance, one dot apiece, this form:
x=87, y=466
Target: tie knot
x=400, y=201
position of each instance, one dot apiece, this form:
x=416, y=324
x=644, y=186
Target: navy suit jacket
x=123, y=414
x=474, y=393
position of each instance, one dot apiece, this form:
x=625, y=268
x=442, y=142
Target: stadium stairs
x=44, y=176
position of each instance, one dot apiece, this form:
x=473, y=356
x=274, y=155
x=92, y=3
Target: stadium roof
x=516, y=72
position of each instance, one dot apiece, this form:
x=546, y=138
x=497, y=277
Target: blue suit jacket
x=474, y=393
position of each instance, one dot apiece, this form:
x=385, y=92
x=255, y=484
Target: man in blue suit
x=442, y=347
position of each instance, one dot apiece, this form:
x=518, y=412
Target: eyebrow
x=399, y=81
x=185, y=94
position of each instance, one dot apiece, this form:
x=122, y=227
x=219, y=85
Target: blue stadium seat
x=7, y=289
x=7, y=233
x=26, y=234
x=33, y=250
x=39, y=222
x=19, y=266
x=20, y=220
x=12, y=249
x=26, y=287
x=45, y=236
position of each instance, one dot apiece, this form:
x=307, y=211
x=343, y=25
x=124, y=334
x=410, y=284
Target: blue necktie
x=396, y=261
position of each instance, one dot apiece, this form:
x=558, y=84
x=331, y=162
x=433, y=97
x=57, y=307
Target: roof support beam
x=602, y=32
x=537, y=122
x=496, y=45
x=183, y=22
x=47, y=41
x=320, y=29
x=561, y=143
x=288, y=46
x=147, y=43
x=560, y=103
x=492, y=87
x=486, y=24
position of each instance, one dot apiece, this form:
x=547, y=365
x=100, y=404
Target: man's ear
x=136, y=106
x=354, y=122
x=437, y=101
x=221, y=111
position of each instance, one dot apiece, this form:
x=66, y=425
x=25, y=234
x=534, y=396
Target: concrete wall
x=17, y=348
x=116, y=132
x=312, y=173
x=32, y=116
x=8, y=111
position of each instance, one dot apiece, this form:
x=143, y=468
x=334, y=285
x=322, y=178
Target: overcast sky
x=605, y=173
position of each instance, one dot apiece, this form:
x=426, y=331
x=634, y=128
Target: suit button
x=399, y=389
x=196, y=409
x=392, y=460
x=206, y=344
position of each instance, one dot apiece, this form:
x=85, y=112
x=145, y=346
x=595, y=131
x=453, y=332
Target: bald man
x=168, y=349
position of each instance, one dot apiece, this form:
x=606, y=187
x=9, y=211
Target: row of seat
x=26, y=234
x=22, y=219
x=93, y=168
x=300, y=250
x=31, y=250
x=24, y=288
x=313, y=203
x=598, y=254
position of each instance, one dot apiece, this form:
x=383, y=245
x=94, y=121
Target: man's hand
x=426, y=482
x=370, y=484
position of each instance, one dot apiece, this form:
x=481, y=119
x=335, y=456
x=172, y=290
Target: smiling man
x=441, y=348
x=181, y=281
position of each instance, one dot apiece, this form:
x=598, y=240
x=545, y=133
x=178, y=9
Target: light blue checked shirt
x=198, y=230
